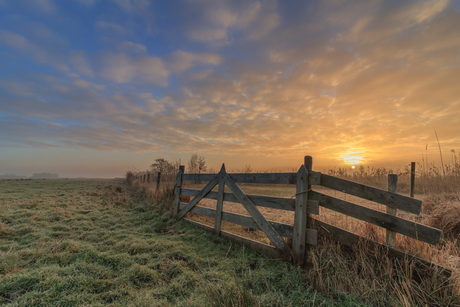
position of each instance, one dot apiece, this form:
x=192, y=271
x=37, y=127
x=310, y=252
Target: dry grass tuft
x=367, y=271
x=447, y=218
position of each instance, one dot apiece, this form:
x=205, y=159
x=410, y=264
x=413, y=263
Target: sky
x=94, y=88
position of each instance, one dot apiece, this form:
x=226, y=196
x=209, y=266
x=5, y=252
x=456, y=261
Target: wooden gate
x=306, y=204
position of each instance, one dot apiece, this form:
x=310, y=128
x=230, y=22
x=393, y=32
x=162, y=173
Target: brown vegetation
x=366, y=270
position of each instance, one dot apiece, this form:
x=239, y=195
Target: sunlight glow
x=351, y=158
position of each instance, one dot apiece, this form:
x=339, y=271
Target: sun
x=353, y=167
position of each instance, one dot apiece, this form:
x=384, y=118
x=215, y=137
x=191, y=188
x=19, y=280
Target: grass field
x=106, y=243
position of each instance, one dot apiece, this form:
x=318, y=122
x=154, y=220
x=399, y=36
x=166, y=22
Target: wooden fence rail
x=304, y=232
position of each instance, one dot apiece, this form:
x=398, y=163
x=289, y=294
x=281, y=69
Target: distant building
x=44, y=176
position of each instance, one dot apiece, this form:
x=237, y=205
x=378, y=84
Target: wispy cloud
x=126, y=69
x=182, y=60
x=116, y=28
x=218, y=22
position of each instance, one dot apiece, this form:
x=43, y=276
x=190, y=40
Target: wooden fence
x=148, y=178
x=306, y=205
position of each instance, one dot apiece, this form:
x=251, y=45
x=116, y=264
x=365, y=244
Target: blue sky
x=97, y=87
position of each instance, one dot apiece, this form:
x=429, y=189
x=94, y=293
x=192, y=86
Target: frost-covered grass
x=104, y=242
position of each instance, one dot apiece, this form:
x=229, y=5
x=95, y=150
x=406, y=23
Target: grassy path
x=94, y=243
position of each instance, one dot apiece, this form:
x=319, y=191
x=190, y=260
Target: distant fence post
x=392, y=187
x=412, y=178
x=178, y=187
x=300, y=217
x=158, y=182
x=148, y=177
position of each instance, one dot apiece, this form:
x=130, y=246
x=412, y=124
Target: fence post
x=148, y=177
x=300, y=217
x=159, y=179
x=412, y=178
x=220, y=200
x=392, y=187
x=178, y=188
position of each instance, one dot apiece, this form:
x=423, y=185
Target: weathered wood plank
x=266, y=227
x=261, y=201
x=300, y=217
x=257, y=246
x=398, y=201
x=351, y=239
x=220, y=200
x=402, y=226
x=178, y=189
x=392, y=187
x=284, y=230
x=211, y=184
x=270, y=178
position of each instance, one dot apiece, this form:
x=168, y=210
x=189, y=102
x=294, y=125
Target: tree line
x=196, y=164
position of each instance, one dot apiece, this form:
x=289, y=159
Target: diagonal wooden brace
x=199, y=197
x=260, y=220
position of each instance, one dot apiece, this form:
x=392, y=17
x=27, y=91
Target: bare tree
x=193, y=164
x=197, y=164
x=247, y=169
x=201, y=165
x=161, y=165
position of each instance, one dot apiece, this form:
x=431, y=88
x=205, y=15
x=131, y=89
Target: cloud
x=39, y=53
x=259, y=78
x=127, y=46
x=35, y=7
x=111, y=26
x=88, y=85
x=17, y=41
x=218, y=22
x=182, y=60
x=138, y=7
x=123, y=68
x=80, y=63
x=44, y=5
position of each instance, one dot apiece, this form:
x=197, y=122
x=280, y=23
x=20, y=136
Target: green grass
x=100, y=242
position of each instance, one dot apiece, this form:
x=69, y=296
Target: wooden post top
x=308, y=162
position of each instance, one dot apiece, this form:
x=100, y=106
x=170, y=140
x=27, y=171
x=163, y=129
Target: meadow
x=115, y=243
x=108, y=243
